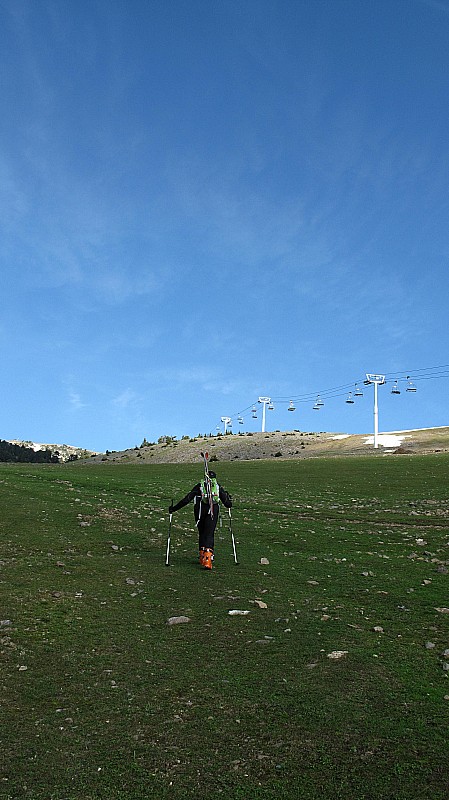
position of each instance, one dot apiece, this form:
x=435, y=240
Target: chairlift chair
x=411, y=386
x=319, y=402
x=350, y=398
x=291, y=406
x=395, y=389
x=358, y=391
x=270, y=407
x=240, y=420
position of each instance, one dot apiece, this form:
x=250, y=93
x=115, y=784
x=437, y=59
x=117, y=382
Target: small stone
x=178, y=620
x=22, y=668
x=264, y=561
x=378, y=629
x=443, y=610
x=430, y=645
x=313, y=583
x=446, y=653
x=338, y=654
x=236, y=612
x=446, y=666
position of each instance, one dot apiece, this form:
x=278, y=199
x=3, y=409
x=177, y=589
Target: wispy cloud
x=352, y=165
x=230, y=217
x=75, y=238
x=125, y=399
x=75, y=401
x=437, y=5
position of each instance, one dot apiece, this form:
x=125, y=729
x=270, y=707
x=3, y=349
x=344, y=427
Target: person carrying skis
x=206, y=496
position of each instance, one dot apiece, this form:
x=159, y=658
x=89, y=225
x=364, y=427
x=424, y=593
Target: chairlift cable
x=422, y=374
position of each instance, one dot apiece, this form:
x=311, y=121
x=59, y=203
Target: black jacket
x=196, y=493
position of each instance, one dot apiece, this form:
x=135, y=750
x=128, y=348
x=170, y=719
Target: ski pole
x=167, y=556
x=232, y=536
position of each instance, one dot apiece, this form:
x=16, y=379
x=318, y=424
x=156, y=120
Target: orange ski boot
x=208, y=557
x=202, y=554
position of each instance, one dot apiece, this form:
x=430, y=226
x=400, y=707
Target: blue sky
x=203, y=202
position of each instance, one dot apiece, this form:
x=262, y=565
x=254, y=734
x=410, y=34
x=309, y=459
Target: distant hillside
x=283, y=445
x=18, y=453
x=64, y=452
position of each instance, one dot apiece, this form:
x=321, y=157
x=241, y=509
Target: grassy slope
x=277, y=444
x=116, y=704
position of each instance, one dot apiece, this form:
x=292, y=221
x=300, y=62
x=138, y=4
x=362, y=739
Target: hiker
x=205, y=522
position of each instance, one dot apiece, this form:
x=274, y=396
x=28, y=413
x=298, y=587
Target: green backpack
x=215, y=491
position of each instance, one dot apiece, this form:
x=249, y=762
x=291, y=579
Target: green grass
x=114, y=704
